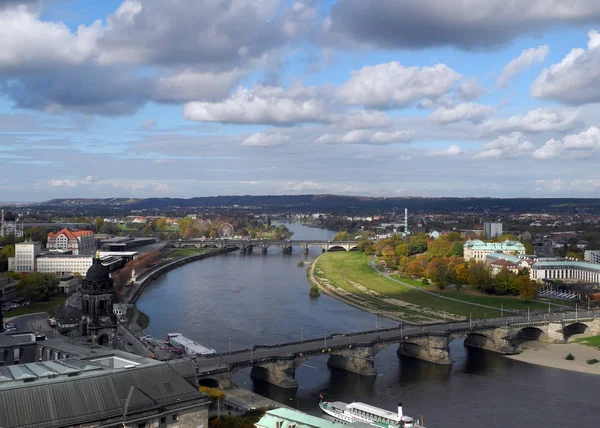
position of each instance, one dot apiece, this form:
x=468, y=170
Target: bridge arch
x=573, y=329
x=532, y=333
x=480, y=340
x=337, y=248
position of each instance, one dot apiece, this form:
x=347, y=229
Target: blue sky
x=144, y=98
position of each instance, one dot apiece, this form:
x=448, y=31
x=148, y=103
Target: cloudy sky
x=189, y=98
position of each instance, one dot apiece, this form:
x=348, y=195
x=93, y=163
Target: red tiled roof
x=504, y=263
x=70, y=234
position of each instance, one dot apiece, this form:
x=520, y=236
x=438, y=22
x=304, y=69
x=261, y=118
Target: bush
x=424, y=281
x=314, y=291
x=593, y=361
x=569, y=357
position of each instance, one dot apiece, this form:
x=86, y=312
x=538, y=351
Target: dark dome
x=97, y=272
x=8, y=216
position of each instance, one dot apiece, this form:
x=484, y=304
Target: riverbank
x=553, y=355
x=406, y=313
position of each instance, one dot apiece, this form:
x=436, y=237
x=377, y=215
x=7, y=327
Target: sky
x=183, y=98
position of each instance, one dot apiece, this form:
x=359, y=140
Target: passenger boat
x=360, y=412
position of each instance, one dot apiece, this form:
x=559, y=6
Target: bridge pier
x=432, y=348
x=355, y=360
x=287, y=249
x=264, y=250
x=278, y=373
x=305, y=249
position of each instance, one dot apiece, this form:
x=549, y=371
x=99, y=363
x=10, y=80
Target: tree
x=366, y=246
x=99, y=224
x=438, y=272
x=457, y=249
x=453, y=237
x=8, y=251
x=462, y=273
x=38, y=286
x=341, y=236
x=414, y=268
x=440, y=247
x=402, y=250
x=528, y=247
x=527, y=288
x=159, y=225
x=577, y=255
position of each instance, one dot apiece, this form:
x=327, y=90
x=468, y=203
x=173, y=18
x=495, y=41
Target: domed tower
x=97, y=297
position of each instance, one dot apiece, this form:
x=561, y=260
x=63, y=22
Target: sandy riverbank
x=553, y=355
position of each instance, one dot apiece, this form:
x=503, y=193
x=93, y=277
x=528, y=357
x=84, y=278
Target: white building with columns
x=566, y=270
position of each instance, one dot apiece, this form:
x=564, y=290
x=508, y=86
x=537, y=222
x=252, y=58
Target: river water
x=234, y=301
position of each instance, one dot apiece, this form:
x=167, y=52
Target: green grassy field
x=593, y=341
x=343, y=269
x=185, y=252
x=37, y=307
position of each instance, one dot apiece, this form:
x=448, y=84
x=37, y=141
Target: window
x=142, y=425
x=174, y=418
x=163, y=420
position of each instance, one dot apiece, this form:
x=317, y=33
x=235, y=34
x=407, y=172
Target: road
x=246, y=357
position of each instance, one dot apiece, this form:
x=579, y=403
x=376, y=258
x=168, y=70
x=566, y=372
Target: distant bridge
x=247, y=245
x=355, y=352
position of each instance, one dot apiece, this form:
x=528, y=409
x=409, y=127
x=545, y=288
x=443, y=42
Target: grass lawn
x=593, y=341
x=37, y=307
x=185, y=252
x=345, y=268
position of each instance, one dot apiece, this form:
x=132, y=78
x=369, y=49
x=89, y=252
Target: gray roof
x=95, y=393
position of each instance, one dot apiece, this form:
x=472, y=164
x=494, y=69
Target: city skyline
x=181, y=99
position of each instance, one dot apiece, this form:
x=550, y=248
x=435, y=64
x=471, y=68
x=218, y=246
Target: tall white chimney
x=406, y=221
x=400, y=410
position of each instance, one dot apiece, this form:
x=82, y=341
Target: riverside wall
x=140, y=284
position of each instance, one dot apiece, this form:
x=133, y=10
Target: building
x=68, y=284
x=104, y=388
x=592, y=256
x=566, y=270
x=80, y=242
x=498, y=266
x=63, y=264
x=25, y=257
x=8, y=289
x=478, y=250
x=9, y=225
x=492, y=230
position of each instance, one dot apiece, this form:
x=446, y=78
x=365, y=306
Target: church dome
x=98, y=272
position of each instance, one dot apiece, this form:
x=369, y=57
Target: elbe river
x=241, y=300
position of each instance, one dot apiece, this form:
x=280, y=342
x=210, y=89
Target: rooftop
x=79, y=391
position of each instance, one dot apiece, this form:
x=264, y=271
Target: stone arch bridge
x=356, y=352
x=247, y=245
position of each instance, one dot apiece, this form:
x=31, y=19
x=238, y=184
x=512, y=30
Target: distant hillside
x=333, y=203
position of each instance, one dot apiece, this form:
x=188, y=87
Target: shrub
x=424, y=281
x=314, y=291
x=569, y=357
x=593, y=361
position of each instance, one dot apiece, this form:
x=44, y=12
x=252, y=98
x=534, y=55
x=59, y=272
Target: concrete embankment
x=137, y=288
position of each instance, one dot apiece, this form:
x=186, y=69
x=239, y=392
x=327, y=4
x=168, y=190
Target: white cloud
x=362, y=119
x=404, y=158
x=263, y=104
x=470, y=89
x=582, y=144
x=163, y=161
x=469, y=112
x=560, y=185
x=527, y=58
x=62, y=183
x=392, y=85
x=506, y=146
x=453, y=150
x=361, y=136
x=536, y=120
x=575, y=79
x=261, y=139
x=30, y=44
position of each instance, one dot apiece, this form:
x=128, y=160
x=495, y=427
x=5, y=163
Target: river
x=235, y=300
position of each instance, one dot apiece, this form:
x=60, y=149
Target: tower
x=97, y=297
x=406, y=221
